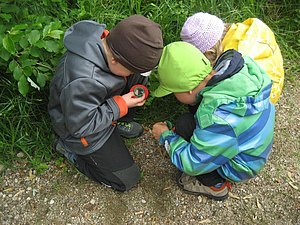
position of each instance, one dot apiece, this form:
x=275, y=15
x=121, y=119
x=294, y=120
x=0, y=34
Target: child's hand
x=158, y=129
x=133, y=101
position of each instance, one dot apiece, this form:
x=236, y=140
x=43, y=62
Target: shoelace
x=124, y=125
x=225, y=184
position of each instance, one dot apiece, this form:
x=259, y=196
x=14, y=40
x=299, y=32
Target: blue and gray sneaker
x=69, y=155
x=130, y=129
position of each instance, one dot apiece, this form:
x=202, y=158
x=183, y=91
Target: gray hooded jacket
x=81, y=106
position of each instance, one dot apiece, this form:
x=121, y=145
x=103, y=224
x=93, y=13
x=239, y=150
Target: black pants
x=112, y=164
x=184, y=126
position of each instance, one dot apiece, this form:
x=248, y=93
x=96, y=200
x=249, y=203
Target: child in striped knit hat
x=251, y=37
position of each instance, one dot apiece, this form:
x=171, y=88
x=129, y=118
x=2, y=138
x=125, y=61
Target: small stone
x=20, y=155
x=34, y=192
x=143, y=201
x=93, y=201
x=51, y=202
x=199, y=199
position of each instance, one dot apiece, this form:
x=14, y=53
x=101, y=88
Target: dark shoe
x=130, y=129
x=69, y=155
x=193, y=186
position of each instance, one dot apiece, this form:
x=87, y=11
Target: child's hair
x=214, y=53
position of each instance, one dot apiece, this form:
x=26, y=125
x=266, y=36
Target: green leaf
x=41, y=168
x=56, y=34
x=27, y=71
x=34, y=36
x=8, y=44
x=10, y=8
x=55, y=25
x=41, y=79
x=16, y=37
x=34, y=51
x=19, y=27
x=2, y=28
x=46, y=30
x=23, y=85
x=51, y=46
x=43, y=69
x=4, y=54
x=6, y=17
x=37, y=25
x=28, y=62
x=40, y=44
x=23, y=57
x=24, y=42
x=17, y=73
x=12, y=65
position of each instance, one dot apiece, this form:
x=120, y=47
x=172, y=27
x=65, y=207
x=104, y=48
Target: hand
x=133, y=101
x=158, y=129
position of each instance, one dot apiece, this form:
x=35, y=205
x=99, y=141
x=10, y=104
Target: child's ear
x=113, y=61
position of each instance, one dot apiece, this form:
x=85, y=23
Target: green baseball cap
x=181, y=68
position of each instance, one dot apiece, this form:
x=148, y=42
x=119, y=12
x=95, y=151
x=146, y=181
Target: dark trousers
x=184, y=126
x=112, y=164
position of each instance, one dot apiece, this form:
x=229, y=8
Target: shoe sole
x=133, y=136
x=221, y=198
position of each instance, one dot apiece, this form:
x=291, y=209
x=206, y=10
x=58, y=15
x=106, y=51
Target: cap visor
x=161, y=92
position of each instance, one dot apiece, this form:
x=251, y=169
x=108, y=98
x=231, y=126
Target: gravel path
x=61, y=195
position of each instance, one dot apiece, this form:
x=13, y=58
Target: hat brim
x=161, y=92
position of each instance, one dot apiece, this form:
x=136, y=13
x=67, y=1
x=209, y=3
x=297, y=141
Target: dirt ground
x=61, y=195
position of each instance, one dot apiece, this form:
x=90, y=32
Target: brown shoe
x=193, y=186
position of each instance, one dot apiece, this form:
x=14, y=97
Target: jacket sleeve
x=207, y=150
x=85, y=109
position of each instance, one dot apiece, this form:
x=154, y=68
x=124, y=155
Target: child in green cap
x=228, y=135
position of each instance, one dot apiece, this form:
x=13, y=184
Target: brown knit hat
x=136, y=42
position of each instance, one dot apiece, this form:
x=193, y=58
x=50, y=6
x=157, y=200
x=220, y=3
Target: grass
x=25, y=125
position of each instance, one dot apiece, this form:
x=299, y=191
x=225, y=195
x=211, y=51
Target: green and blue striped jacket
x=234, y=128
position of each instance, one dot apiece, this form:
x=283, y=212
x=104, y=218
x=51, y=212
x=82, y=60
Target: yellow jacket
x=255, y=39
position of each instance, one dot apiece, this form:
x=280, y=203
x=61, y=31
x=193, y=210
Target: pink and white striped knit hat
x=202, y=30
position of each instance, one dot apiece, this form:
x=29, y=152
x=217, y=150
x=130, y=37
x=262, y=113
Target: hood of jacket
x=240, y=86
x=84, y=39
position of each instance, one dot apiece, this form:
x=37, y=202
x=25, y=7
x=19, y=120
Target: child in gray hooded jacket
x=89, y=96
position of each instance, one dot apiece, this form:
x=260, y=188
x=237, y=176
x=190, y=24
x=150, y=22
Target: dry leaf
x=258, y=204
x=293, y=186
x=139, y=213
x=18, y=193
x=290, y=176
x=167, y=188
x=231, y=195
x=31, y=175
x=8, y=190
x=205, y=221
x=248, y=197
